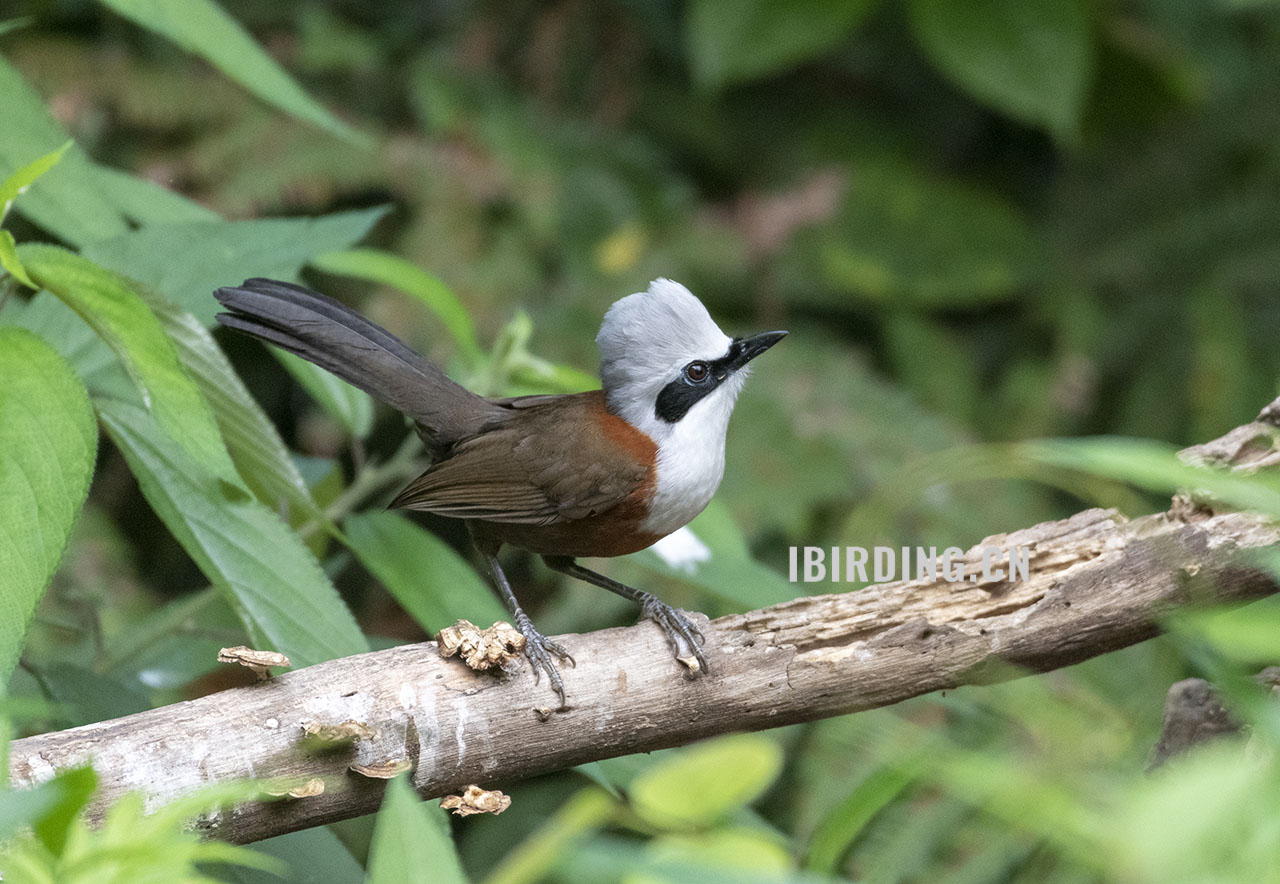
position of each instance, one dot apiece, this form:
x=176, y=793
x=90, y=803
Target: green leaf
x=1210, y=817
x=513, y=370
x=1156, y=467
x=311, y=856
x=429, y=580
x=906, y=237
x=146, y=202
x=203, y=28
x=391, y=270
x=704, y=783
x=238, y=543
x=222, y=253
x=19, y=181
x=48, y=443
x=351, y=407
x=49, y=318
x=728, y=855
x=115, y=310
x=11, y=263
x=66, y=201
x=186, y=262
x=259, y=453
x=736, y=42
x=130, y=844
x=20, y=807
x=53, y=807
x=84, y=697
x=839, y=829
x=1033, y=61
x=411, y=842
x=1248, y=635
x=561, y=835
x=14, y=24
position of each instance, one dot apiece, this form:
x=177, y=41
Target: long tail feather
x=362, y=353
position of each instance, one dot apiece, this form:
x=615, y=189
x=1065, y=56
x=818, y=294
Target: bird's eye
x=696, y=372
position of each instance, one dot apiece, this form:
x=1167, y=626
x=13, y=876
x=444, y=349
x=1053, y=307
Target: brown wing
x=559, y=460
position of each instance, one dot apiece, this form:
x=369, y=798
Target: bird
x=581, y=475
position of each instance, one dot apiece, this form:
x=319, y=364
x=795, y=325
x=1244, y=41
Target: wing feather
x=548, y=467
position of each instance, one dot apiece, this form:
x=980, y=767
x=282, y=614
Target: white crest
x=645, y=341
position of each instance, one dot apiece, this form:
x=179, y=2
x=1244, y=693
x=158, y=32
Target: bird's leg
x=686, y=637
x=537, y=647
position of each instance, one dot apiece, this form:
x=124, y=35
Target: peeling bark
x=1098, y=582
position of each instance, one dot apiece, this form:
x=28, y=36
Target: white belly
x=688, y=475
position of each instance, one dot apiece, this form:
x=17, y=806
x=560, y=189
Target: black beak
x=746, y=349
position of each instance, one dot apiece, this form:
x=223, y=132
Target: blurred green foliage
x=984, y=221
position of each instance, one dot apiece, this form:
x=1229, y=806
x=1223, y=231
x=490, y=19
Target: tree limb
x=1098, y=582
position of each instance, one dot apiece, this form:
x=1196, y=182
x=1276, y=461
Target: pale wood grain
x=1098, y=582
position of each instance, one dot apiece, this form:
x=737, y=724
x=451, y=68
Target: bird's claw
x=682, y=632
x=539, y=649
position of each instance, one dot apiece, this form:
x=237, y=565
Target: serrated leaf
x=238, y=543
x=1033, y=61
x=703, y=783
x=48, y=442
x=186, y=262
x=429, y=580
x=213, y=254
x=23, y=178
x=146, y=202
x=411, y=842
x=259, y=453
x=128, y=843
x=111, y=305
x=49, y=318
x=736, y=42
x=66, y=201
x=392, y=270
x=204, y=28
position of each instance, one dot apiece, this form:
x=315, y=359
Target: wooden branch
x=1097, y=582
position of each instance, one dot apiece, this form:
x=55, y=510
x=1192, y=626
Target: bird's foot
x=684, y=635
x=540, y=649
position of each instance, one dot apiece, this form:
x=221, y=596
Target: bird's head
x=665, y=363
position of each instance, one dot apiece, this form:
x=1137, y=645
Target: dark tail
x=336, y=338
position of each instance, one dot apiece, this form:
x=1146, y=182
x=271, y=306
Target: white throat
x=690, y=462
x=645, y=342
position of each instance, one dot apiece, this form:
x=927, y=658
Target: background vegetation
x=983, y=221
